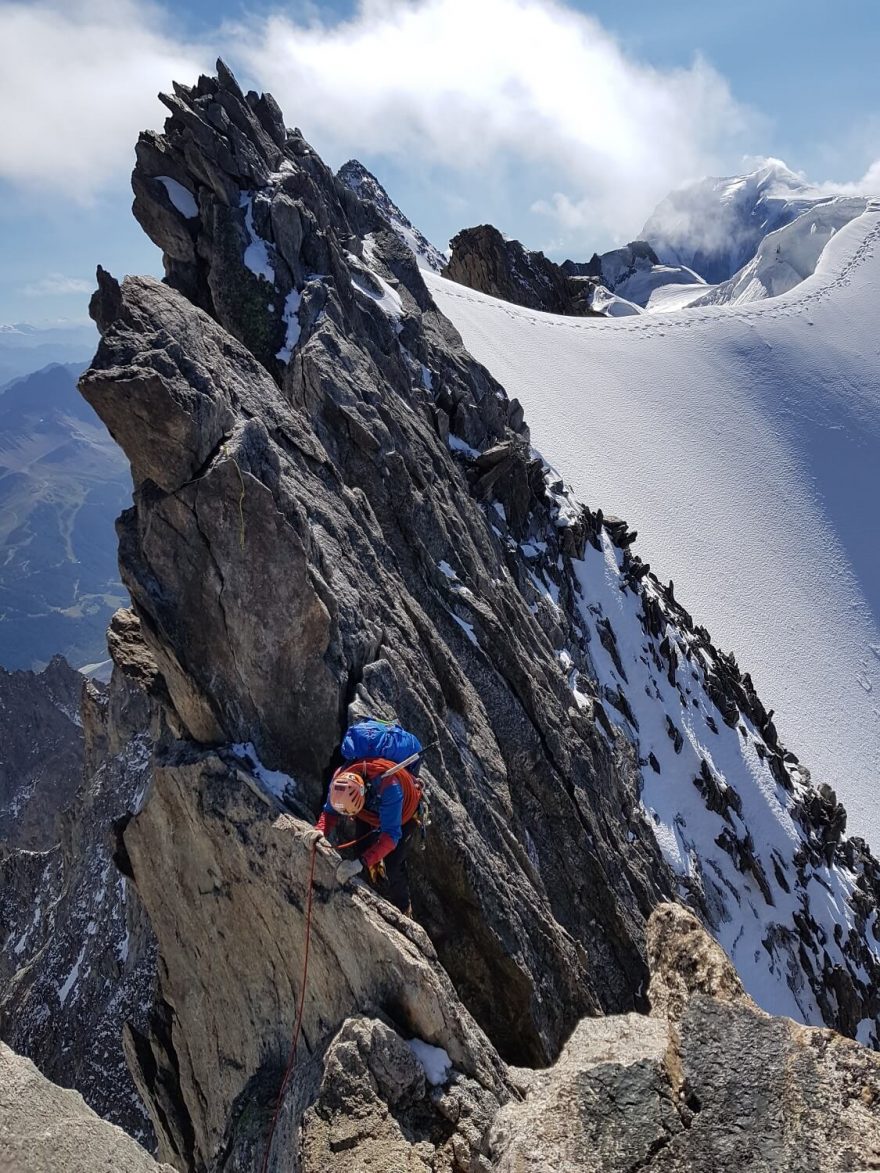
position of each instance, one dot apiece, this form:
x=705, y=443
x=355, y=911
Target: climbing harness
x=291, y=1062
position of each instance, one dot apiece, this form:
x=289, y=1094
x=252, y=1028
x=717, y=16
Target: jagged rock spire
x=337, y=511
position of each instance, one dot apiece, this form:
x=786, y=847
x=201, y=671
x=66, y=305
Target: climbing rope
x=291, y=1062
x=294, y=1043
x=360, y=839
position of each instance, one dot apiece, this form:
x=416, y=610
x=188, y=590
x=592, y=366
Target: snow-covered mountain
x=633, y=272
x=714, y=226
x=742, y=441
x=361, y=181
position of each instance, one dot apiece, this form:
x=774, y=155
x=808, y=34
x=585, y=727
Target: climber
x=384, y=802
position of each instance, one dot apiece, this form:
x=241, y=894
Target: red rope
x=360, y=839
x=291, y=1063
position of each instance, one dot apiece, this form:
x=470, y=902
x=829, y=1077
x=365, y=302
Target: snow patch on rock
x=434, y=1060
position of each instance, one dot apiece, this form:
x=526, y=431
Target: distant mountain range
x=63, y=481
x=25, y=348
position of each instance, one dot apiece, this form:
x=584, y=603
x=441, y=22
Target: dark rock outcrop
x=486, y=261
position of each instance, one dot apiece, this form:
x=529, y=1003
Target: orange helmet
x=347, y=792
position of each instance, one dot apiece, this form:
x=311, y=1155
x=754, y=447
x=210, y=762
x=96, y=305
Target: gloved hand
x=313, y=838
x=347, y=869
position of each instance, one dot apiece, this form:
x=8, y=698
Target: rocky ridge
x=618, y=283
x=41, y=768
x=482, y=259
x=663, y=1093
x=368, y=188
x=338, y=511
x=77, y=956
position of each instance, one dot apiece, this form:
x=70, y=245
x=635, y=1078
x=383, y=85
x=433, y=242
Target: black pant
x=395, y=886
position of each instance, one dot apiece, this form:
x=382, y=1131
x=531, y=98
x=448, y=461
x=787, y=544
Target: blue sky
x=562, y=123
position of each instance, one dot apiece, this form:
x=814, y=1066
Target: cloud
x=532, y=82
x=869, y=184
x=500, y=85
x=528, y=90
x=78, y=80
x=57, y=285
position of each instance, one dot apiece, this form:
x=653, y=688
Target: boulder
x=45, y=1128
x=709, y=1081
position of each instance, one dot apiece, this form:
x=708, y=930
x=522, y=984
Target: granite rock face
x=375, y=1096
x=225, y=879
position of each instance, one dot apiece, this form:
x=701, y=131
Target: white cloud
x=78, y=80
x=498, y=87
x=57, y=285
x=465, y=84
x=869, y=184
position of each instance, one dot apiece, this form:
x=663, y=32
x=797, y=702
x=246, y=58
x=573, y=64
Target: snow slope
x=646, y=281
x=742, y=441
x=667, y=298
x=787, y=256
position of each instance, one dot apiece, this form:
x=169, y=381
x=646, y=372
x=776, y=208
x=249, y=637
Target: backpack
x=370, y=738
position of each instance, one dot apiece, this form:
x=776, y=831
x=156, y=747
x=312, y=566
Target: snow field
x=741, y=441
